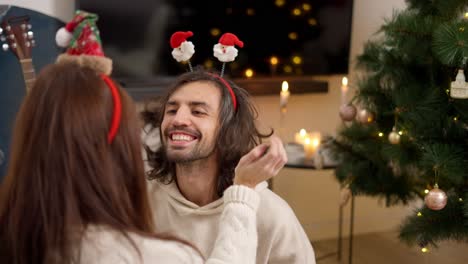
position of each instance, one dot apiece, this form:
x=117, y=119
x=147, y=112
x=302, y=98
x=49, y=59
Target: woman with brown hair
x=75, y=191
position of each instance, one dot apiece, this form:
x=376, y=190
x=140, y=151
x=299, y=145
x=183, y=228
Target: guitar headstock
x=16, y=36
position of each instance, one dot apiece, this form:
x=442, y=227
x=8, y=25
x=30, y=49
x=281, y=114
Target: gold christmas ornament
x=435, y=199
x=394, y=137
x=365, y=116
x=347, y=112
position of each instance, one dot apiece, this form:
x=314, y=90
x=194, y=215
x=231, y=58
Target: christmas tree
x=404, y=135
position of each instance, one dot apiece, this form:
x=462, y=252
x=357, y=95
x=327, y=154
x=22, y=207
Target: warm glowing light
x=273, y=60
x=296, y=12
x=381, y=134
x=400, y=132
x=424, y=250
x=249, y=73
x=287, y=69
x=311, y=144
x=306, y=7
x=312, y=21
x=215, y=32
x=455, y=118
x=297, y=60
x=447, y=91
x=466, y=15
x=303, y=132
x=460, y=199
x=315, y=142
x=250, y=11
x=280, y=3
x=419, y=214
x=426, y=191
x=344, y=81
x=292, y=35
x=284, y=86
x=208, y=64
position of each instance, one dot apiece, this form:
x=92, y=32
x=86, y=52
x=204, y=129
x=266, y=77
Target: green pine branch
x=429, y=226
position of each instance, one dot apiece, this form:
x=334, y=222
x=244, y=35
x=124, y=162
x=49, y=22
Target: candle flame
x=344, y=81
x=307, y=141
x=302, y=132
x=284, y=86
x=315, y=142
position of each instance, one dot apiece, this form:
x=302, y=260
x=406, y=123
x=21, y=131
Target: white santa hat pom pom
x=63, y=37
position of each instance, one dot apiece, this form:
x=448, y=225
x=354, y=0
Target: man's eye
x=195, y=112
x=171, y=111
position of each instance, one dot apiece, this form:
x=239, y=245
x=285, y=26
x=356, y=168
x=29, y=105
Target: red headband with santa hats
x=229, y=39
x=178, y=37
x=81, y=39
x=224, y=50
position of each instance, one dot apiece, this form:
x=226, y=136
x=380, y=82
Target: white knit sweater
x=236, y=241
x=281, y=238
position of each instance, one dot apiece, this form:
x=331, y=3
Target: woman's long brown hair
x=63, y=175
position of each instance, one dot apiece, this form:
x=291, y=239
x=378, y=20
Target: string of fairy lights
x=303, y=13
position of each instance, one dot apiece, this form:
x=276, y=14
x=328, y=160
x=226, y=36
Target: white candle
x=311, y=144
x=284, y=95
x=344, y=89
x=300, y=137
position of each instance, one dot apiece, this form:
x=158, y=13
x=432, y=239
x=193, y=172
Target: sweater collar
x=184, y=206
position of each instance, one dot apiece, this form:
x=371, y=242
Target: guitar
x=17, y=37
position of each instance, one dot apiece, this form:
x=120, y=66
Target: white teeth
x=181, y=137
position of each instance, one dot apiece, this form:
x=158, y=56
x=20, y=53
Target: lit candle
x=300, y=137
x=311, y=144
x=284, y=95
x=344, y=89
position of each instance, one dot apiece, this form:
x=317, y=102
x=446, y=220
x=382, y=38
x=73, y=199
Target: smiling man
x=206, y=126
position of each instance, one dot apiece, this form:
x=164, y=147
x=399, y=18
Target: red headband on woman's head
x=82, y=40
x=117, y=110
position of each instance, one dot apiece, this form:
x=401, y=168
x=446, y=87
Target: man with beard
x=206, y=125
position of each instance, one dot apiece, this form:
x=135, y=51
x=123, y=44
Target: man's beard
x=195, y=154
x=198, y=152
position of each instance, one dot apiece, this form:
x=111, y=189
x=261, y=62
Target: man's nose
x=182, y=117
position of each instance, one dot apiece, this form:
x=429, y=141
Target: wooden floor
x=385, y=248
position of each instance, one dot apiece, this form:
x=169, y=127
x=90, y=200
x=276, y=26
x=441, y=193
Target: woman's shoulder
x=104, y=245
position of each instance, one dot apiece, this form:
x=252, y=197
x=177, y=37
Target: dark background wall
x=12, y=87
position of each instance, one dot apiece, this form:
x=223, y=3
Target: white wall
x=61, y=9
x=314, y=194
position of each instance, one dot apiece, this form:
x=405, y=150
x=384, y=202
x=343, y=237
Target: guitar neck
x=28, y=73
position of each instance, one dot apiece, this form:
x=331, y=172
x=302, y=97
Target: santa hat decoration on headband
x=81, y=38
x=183, y=50
x=225, y=50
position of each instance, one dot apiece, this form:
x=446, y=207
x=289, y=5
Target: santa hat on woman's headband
x=81, y=38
